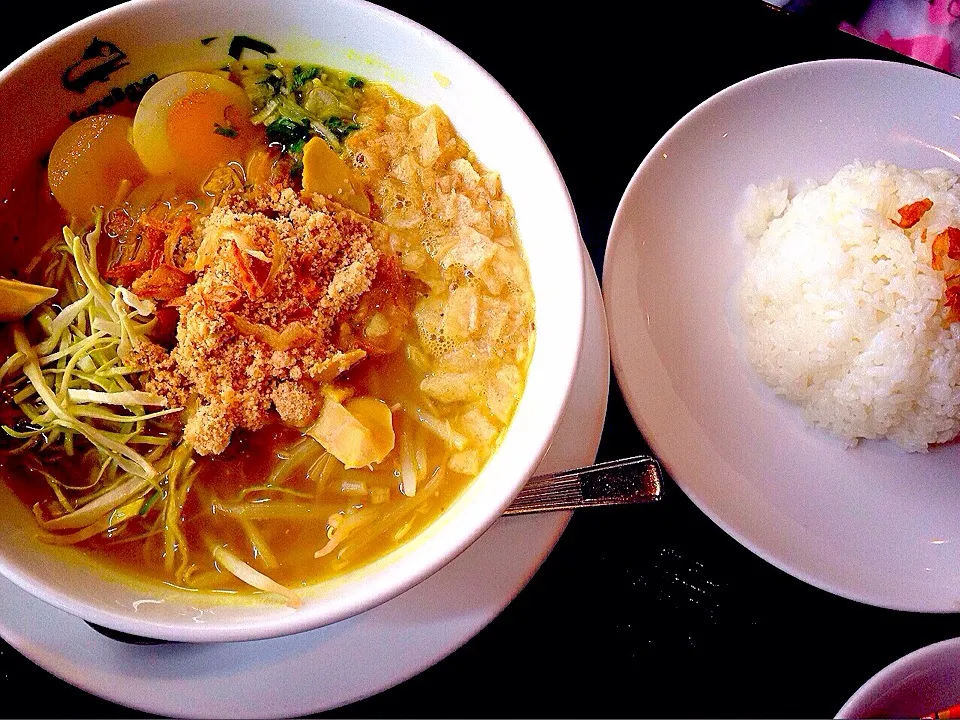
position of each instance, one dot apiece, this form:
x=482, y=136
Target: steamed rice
x=844, y=313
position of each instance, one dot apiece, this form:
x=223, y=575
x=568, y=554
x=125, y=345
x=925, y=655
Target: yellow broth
x=275, y=497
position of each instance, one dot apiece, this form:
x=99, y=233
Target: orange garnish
x=945, y=244
x=156, y=240
x=276, y=263
x=294, y=335
x=165, y=282
x=126, y=273
x=910, y=214
x=255, y=276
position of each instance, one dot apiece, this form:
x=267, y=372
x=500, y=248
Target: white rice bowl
x=843, y=312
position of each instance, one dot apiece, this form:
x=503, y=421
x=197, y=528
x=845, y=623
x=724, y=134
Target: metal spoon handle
x=617, y=482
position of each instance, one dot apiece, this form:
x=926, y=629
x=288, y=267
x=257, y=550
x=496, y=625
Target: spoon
x=616, y=482
x=631, y=480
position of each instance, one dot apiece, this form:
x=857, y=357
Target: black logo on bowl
x=101, y=59
x=239, y=43
x=132, y=92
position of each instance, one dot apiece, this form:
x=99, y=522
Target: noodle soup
x=283, y=319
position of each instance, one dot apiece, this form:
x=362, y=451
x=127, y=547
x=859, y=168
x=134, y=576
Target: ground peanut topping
x=258, y=328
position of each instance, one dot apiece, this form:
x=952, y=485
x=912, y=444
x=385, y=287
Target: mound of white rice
x=843, y=311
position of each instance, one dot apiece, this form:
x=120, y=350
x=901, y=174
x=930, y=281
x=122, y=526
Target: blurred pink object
x=939, y=12
x=931, y=49
x=925, y=30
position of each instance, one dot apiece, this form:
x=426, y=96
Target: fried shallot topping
x=271, y=312
x=945, y=255
x=945, y=245
x=911, y=213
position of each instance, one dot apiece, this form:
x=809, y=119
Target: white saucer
x=350, y=660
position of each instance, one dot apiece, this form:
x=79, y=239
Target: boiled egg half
x=191, y=122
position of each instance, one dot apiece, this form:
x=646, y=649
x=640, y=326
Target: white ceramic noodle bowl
x=163, y=36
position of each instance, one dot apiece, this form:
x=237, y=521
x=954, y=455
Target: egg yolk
x=90, y=161
x=205, y=129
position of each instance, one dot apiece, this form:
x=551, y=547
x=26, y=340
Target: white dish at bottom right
x=872, y=523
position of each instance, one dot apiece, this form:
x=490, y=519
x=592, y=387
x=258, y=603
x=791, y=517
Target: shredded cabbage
x=60, y=381
x=72, y=385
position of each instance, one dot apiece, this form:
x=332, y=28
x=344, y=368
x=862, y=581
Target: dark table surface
x=643, y=611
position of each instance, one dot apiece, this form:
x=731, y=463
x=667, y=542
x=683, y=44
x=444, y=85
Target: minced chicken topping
x=280, y=291
x=258, y=328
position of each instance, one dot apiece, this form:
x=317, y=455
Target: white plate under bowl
x=323, y=669
x=871, y=523
x=917, y=685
